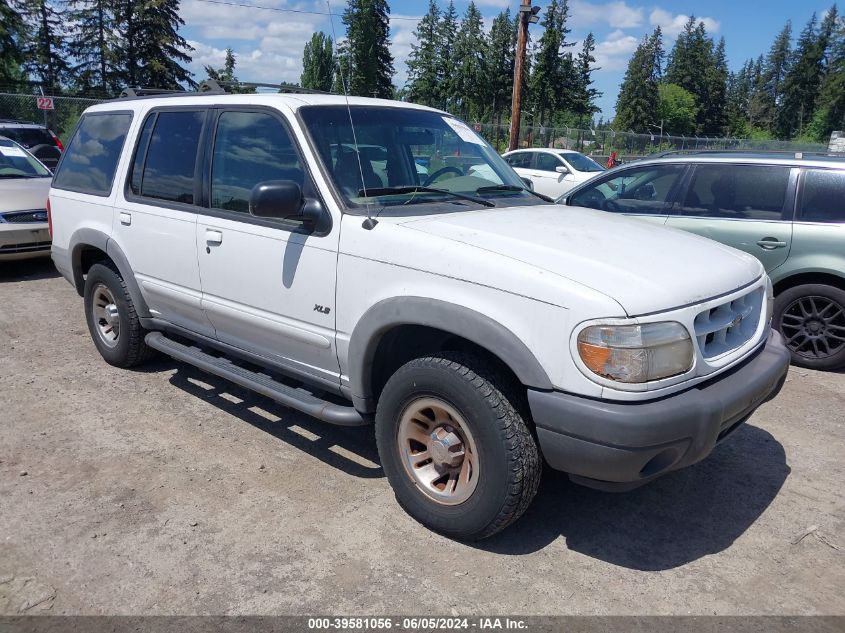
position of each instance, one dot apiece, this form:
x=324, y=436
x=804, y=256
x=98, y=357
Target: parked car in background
x=552, y=172
x=786, y=210
x=39, y=140
x=24, y=186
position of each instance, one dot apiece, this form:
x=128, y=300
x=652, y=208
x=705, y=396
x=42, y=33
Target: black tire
x=129, y=349
x=815, y=341
x=507, y=453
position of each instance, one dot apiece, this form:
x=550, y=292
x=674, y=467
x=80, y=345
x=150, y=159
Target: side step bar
x=292, y=397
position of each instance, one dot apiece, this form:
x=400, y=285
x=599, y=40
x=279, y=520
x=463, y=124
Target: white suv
x=482, y=329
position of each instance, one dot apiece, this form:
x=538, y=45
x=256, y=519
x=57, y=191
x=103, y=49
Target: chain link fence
x=61, y=119
x=628, y=145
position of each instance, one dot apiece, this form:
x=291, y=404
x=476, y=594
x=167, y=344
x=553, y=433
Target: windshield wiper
x=386, y=191
x=494, y=188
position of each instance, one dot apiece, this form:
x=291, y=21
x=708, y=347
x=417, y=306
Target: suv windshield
x=404, y=156
x=15, y=162
x=28, y=136
x=581, y=162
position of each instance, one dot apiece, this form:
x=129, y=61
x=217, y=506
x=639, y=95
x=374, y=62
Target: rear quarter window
x=90, y=161
x=822, y=196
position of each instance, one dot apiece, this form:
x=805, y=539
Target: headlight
x=636, y=353
x=770, y=300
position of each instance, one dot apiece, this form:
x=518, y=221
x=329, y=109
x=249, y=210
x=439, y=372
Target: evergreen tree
x=447, y=32
x=342, y=69
x=553, y=75
x=161, y=48
x=12, y=35
x=368, y=45
x=92, y=46
x=583, y=94
x=499, y=62
x=46, y=49
x=830, y=114
x=713, y=117
x=424, y=62
x=227, y=74
x=639, y=98
x=775, y=69
x=318, y=63
x=468, y=83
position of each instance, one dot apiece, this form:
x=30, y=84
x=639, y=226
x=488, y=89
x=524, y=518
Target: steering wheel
x=610, y=205
x=591, y=199
x=443, y=170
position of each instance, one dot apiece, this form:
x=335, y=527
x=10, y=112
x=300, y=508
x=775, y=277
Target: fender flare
x=441, y=315
x=91, y=237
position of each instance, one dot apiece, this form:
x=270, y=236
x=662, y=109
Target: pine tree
x=46, y=51
x=468, y=83
x=368, y=45
x=584, y=96
x=830, y=113
x=553, y=72
x=12, y=35
x=714, y=118
x=499, y=63
x=318, y=63
x=775, y=70
x=447, y=32
x=92, y=46
x=227, y=74
x=639, y=99
x=161, y=47
x=424, y=61
x=689, y=64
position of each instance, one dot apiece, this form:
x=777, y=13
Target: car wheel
x=112, y=320
x=811, y=319
x=458, y=454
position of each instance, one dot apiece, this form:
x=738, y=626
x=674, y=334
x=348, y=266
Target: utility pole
x=527, y=14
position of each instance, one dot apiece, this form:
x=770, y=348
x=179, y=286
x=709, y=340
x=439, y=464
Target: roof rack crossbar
x=214, y=87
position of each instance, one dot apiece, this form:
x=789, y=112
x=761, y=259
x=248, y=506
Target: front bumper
x=24, y=241
x=619, y=446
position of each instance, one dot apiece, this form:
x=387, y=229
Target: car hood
x=22, y=194
x=645, y=268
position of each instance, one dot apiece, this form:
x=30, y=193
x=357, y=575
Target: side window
x=91, y=158
x=521, y=160
x=746, y=192
x=249, y=148
x=547, y=162
x=646, y=189
x=822, y=196
x=164, y=163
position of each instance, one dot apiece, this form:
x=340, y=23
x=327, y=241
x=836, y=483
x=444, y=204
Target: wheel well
x=404, y=343
x=83, y=258
x=809, y=278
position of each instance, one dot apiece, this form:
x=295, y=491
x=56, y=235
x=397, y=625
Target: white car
x=481, y=328
x=24, y=185
x=552, y=172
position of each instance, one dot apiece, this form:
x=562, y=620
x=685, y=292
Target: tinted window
x=91, y=157
x=645, y=189
x=823, y=196
x=168, y=169
x=746, y=192
x=547, y=162
x=581, y=162
x=140, y=152
x=250, y=148
x=28, y=136
x=523, y=160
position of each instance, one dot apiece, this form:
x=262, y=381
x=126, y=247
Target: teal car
x=786, y=210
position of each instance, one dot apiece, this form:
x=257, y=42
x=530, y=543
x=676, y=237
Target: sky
x=268, y=37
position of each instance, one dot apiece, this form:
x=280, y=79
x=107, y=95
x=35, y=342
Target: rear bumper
x=619, y=446
x=24, y=241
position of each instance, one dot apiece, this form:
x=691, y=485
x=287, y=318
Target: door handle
x=770, y=243
x=213, y=238
x=125, y=218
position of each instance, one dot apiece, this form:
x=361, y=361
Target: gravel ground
x=166, y=491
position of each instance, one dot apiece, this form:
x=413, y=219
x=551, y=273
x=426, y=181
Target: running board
x=292, y=397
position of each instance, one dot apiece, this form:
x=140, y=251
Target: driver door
x=646, y=192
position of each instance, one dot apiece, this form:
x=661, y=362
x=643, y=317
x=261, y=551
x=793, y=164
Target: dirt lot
x=165, y=491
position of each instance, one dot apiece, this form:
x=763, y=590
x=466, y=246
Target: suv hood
x=22, y=194
x=646, y=268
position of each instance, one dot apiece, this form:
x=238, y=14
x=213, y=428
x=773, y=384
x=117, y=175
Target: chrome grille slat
x=723, y=328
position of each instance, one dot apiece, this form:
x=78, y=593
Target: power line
x=285, y=10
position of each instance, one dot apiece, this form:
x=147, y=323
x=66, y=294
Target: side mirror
x=282, y=200
x=562, y=169
x=528, y=183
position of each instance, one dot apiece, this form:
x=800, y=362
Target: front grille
x=725, y=327
x=25, y=217
x=28, y=247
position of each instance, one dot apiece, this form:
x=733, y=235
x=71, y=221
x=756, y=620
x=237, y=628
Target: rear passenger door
x=819, y=229
x=156, y=214
x=268, y=285
x=745, y=206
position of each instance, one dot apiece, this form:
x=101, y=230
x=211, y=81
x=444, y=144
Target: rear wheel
x=811, y=319
x=456, y=451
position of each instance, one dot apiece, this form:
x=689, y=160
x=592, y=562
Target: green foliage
x=466, y=87
x=92, y=46
x=499, y=61
x=424, y=61
x=676, y=109
x=368, y=59
x=639, y=95
x=45, y=46
x=227, y=73
x=318, y=63
x=12, y=36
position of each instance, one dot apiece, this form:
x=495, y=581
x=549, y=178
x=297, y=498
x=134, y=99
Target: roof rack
x=788, y=152
x=214, y=87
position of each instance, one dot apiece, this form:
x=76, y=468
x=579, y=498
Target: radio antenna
x=369, y=223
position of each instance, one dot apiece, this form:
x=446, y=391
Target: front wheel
x=456, y=451
x=811, y=319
